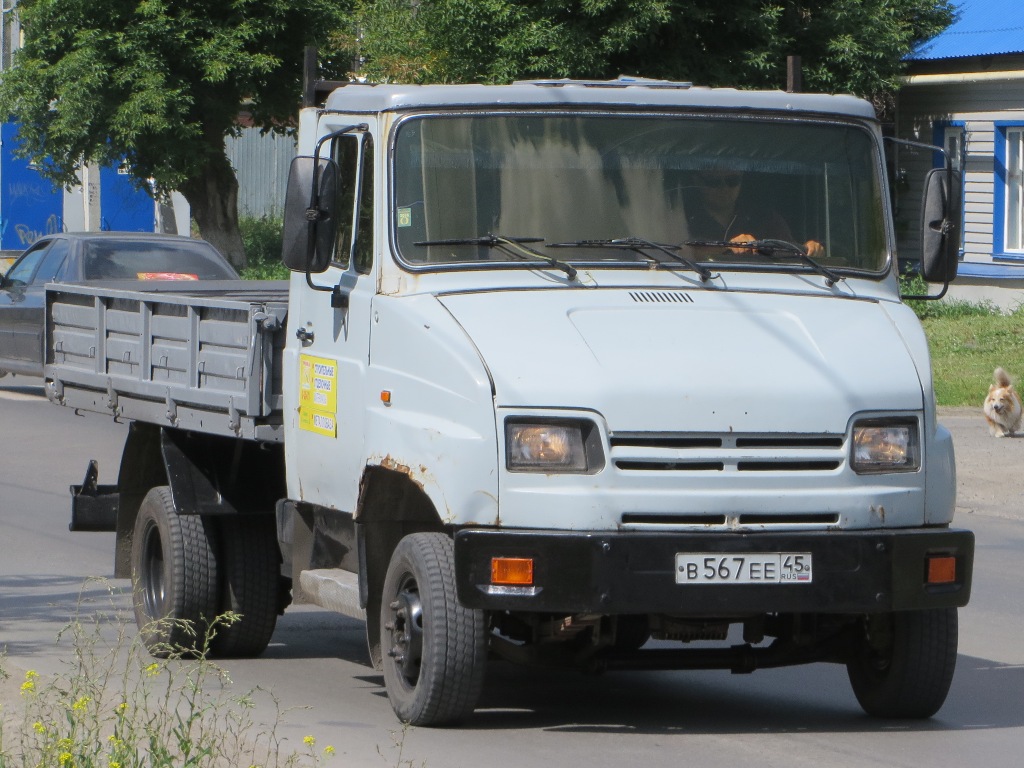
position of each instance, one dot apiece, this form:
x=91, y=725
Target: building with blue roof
x=964, y=90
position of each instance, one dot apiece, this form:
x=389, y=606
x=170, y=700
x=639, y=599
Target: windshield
x=600, y=189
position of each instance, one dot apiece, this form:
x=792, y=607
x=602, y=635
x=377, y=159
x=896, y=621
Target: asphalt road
x=318, y=668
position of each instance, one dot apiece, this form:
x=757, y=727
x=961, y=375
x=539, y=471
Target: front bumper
x=620, y=572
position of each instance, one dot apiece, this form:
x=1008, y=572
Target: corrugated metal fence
x=261, y=164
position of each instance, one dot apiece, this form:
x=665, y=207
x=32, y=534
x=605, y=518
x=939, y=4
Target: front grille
x=660, y=452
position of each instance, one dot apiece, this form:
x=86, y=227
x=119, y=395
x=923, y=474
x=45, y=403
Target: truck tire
x=174, y=576
x=434, y=649
x=909, y=675
x=250, y=567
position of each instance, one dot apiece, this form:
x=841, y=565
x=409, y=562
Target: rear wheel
x=434, y=649
x=174, y=576
x=905, y=664
x=250, y=567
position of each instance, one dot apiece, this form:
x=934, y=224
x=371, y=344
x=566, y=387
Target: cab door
x=328, y=347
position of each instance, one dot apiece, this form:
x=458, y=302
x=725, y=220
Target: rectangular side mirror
x=940, y=226
x=309, y=223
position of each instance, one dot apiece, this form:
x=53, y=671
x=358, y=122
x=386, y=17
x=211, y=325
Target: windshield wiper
x=640, y=245
x=515, y=246
x=769, y=248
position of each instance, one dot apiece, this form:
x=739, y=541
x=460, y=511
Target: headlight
x=552, y=446
x=885, y=446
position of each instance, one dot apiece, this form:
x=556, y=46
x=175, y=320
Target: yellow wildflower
x=29, y=685
x=153, y=669
x=309, y=741
x=65, y=758
x=328, y=750
x=81, y=704
x=38, y=727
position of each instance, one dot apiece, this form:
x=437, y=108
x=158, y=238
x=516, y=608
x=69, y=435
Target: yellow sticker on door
x=318, y=395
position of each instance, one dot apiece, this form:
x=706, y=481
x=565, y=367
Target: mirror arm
x=313, y=213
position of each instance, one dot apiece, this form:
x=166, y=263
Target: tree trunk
x=213, y=197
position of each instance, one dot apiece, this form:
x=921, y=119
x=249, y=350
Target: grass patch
x=966, y=349
x=967, y=340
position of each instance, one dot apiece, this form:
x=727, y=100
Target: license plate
x=749, y=568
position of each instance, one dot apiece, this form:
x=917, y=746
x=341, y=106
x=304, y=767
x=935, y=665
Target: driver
x=720, y=212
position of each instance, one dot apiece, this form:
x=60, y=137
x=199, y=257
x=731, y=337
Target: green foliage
x=852, y=46
x=158, y=85
x=261, y=237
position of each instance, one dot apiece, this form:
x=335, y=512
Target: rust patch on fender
x=393, y=464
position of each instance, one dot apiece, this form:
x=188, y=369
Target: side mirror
x=309, y=224
x=940, y=226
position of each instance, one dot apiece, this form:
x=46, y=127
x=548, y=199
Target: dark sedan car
x=75, y=257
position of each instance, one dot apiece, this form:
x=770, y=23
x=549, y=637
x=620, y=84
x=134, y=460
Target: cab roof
x=624, y=92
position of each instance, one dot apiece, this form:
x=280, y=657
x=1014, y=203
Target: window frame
x=1001, y=197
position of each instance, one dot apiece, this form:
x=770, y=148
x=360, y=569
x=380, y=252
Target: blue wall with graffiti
x=30, y=206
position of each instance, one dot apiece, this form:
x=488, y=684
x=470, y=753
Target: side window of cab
x=354, y=204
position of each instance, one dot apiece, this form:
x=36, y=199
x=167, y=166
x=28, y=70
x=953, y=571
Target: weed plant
x=114, y=706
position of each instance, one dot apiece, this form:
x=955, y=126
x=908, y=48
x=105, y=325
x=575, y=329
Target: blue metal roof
x=981, y=28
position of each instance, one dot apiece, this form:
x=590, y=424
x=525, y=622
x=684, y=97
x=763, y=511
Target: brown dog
x=1002, y=406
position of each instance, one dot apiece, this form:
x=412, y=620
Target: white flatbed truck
x=514, y=404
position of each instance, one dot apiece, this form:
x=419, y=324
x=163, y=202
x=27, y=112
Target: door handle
x=304, y=335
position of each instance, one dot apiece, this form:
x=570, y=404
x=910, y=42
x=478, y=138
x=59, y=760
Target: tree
x=157, y=85
x=854, y=46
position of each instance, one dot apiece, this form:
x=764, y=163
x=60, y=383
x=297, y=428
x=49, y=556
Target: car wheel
x=250, y=568
x=174, y=576
x=434, y=649
x=905, y=663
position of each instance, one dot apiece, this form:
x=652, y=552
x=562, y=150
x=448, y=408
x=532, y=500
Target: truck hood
x=702, y=361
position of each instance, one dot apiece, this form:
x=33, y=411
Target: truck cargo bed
x=204, y=356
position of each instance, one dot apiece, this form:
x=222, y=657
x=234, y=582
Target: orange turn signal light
x=512, y=570
x=941, y=569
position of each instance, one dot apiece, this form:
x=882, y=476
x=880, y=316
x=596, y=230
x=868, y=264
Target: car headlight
x=552, y=446
x=885, y=446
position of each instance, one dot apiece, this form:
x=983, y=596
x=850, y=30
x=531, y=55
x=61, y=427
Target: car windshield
x=642, y=190
x=141, y=260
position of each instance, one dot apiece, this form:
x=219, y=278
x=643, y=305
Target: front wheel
x=434, y=649
x=905, y=664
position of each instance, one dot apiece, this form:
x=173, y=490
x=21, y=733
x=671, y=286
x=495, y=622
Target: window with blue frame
x=1008, y=203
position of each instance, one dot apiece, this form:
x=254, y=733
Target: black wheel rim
x=405, y=628
x=151, y=578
